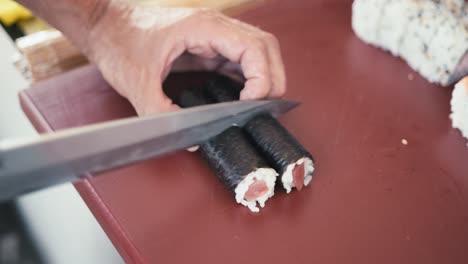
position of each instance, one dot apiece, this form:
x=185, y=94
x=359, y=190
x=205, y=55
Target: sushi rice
x=268, y=175
x=287, y=177
x=459, y=105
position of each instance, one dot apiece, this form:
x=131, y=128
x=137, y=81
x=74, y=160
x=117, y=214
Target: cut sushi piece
x=431, y=36
x=235, y=161
x=240, y=167
x=275, y=143
x=459, y=105
x=292, y=161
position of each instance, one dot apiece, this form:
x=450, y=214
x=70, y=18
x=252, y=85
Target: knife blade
x=68, y=155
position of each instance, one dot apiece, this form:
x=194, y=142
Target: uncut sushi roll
x=459, y=105
x=287, y=156
x=236, y=163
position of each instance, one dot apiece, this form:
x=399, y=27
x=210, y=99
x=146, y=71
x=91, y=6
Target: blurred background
x=51, y=226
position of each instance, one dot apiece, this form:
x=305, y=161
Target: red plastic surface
x=372, y=199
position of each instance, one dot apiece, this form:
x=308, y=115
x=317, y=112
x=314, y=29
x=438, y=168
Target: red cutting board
x=372, y=199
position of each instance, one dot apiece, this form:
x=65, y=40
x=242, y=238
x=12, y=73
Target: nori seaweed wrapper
x=222, y=89
x=232, y=156
x=274, y=141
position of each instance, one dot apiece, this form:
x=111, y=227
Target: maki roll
x=235, y=161
x=240, y=167
x=287, y=156
x=292, y=161
x=191, y=98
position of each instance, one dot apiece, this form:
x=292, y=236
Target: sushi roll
x=430, y=35
x=240, y=167
x=236, y=163
x=292, y=161
x=459, y=105
x=192, y=97
x=287, y=156
x=449, y=47
x=424, y=22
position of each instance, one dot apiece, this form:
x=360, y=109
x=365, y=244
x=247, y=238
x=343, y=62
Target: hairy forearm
x=74, y=18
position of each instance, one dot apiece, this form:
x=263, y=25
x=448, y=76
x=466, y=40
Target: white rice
x=266, y=174
x=287, y=177
x=459, y=104
x=391, y=30
x=431, y=36
x=366, y=16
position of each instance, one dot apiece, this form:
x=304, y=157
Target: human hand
x=136, y=47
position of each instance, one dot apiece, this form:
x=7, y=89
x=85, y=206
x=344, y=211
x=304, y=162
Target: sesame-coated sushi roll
x=431, y=36
x=459, y=106
x=286, y=155
x=235, y=161
x=389, y=30
x=366, y=18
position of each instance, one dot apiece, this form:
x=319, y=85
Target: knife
x=71, y=154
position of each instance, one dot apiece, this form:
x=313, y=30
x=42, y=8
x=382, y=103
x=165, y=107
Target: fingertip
x=193, y=149
x=174, y=107
x=255, y=89
x=277, y=92
x=246, y=95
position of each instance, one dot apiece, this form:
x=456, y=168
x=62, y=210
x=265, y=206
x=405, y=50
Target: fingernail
x=193, y=149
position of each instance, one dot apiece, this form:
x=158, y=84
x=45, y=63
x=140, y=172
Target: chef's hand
x=136, y=47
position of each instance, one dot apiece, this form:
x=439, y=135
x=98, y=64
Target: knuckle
x=256, y=49
x=270, y=38
x=260, y=45
x=209, y=15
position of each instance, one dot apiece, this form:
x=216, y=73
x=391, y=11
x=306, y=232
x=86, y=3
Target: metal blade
x=63, y=156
